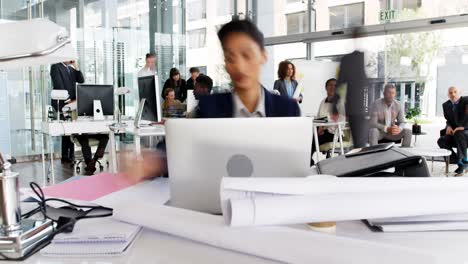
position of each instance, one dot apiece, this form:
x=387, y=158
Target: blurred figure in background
x=175, y=82
x=171, y=106
x=352, y=73
x=150, y=66
x=331, y=107
x=194, y=73
x=65, y=76
x=286, y=84
x=387, y=120
x=455, y=135
x=203, y=87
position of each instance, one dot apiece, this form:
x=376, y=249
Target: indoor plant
x=413, y=113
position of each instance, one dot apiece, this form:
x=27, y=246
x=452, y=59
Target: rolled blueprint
x=268, y=201
x=295, y=209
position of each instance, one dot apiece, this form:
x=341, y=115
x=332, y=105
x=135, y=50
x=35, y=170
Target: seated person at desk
x=286, y=84
x=177, y=83
x=387, y=120
x=244, y=54
x=89, y=160
x=203, y=87
x=171, y=106
x=64, y=76
x=331, y=107
x=455, y=135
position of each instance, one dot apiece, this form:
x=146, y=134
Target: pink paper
x=89, y=188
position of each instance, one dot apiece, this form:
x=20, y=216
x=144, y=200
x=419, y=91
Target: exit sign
x=387, y=15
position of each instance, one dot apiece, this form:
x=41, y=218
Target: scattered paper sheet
x=277, y=243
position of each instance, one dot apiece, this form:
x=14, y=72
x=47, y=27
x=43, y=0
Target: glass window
x=196, y=38
x=225, y=7
x=346, y=16
x=400, y=4
x=297, y=23
x=196, y=10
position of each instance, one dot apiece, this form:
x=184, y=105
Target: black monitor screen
x=87, y=93
x=147, y=89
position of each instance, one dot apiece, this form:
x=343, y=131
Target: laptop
x=202, y=151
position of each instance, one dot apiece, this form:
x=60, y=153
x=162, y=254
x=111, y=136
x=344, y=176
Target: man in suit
x=64, y=76
x=387, y=119
x=455, y=135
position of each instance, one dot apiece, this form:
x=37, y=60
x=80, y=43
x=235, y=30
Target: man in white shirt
x=388, y=120
x=150, y=66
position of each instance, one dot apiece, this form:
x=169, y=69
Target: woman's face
x=289, y=70
x=170, y=96
x=176, y=77
x=243, y=58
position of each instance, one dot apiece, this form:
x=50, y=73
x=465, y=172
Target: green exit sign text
x=387, y=15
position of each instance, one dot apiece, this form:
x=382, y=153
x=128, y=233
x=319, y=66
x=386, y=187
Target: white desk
x=57, y=129
x=158, y=247
x=150, y=131
x=339, y=126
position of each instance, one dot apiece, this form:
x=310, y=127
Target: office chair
x=93, y=143
x=347, y=144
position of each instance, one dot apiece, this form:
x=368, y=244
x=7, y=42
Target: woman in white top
x=332, y=108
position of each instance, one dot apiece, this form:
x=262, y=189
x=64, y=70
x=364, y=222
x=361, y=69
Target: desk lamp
x=30, y=43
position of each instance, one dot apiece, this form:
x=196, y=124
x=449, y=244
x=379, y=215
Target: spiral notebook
x=94, y=237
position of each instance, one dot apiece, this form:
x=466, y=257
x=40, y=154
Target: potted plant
x=413, y=113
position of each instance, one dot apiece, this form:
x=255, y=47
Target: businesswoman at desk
x=286, y=84
x=244, y=54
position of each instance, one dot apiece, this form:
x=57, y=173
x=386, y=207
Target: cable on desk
x=62, y=224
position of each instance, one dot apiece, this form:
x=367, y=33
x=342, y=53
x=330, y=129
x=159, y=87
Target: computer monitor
x=148, y=88
x=87, y=93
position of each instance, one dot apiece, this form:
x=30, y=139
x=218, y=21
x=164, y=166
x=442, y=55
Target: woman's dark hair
x=283, y=68
x=242, y=26
x=173, y=72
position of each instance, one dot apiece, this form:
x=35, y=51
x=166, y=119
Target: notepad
x=94, y=237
